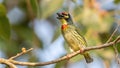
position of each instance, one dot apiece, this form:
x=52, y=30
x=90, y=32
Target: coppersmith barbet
x=72, y=35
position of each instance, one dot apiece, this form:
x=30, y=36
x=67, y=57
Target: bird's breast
x=72, y=38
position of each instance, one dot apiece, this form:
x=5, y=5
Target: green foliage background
x=95, y=23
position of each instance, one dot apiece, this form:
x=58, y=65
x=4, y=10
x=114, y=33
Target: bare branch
x=66, y=57
x=114, y=47
x=4, y=61
x=19, y=54
x=12, y=62
x=113, y=34
x=116, y=54
x=42, y=63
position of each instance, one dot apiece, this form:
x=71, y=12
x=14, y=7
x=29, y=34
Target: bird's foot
x=81, y=50
x=68, y=56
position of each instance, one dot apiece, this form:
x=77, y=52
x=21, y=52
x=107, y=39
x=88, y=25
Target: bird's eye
x=65, y=14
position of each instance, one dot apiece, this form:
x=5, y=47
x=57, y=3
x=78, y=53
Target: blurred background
x=33, y=24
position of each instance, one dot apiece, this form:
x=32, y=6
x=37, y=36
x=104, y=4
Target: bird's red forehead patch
x=64, y=13
x=64, y=26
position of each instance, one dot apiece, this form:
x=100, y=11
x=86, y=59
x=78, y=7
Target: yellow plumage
x=72, y=35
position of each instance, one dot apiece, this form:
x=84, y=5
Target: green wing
x=81, y=36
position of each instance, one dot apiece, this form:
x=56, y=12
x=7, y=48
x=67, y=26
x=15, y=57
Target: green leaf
x=35, y=6
x=4, y=24
x=2, y=10
x=48, y=7
x=116, y=1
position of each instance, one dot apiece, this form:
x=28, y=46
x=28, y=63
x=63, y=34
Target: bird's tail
x=88, y=58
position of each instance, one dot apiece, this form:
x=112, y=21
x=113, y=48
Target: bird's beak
x=59, y=15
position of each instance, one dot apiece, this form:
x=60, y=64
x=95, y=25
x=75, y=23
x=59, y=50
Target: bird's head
x=65, y=18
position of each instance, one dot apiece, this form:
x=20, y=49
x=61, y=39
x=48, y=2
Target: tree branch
x=114, y=47
x=113, y=33
x=24, y=51
x=4, y=61
x=66, y=57
x=12, y=62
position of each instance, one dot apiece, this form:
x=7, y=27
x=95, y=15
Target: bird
x=72, y=35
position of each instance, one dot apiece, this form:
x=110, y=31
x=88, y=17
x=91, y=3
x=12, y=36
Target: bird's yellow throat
x=64, y=24
x=63, y=21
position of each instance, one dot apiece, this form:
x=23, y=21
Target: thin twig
x=116, y=53
x=114, y=47
x=19, y=54
x=66, y=57
x=4, y=61
x=113, y=34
